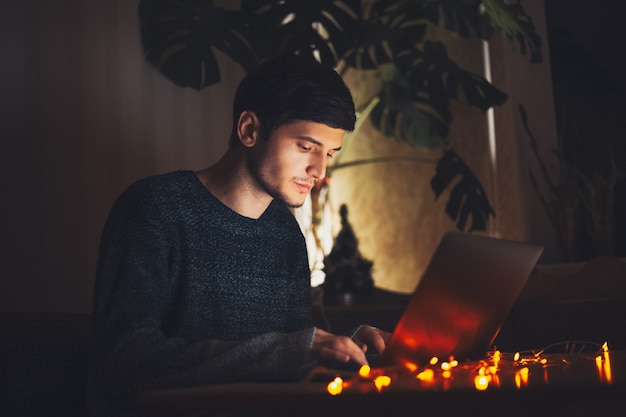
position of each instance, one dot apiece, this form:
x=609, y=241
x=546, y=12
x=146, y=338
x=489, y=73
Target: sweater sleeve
x=147, y=359
x=133, y=295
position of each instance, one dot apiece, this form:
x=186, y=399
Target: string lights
x=496, y=370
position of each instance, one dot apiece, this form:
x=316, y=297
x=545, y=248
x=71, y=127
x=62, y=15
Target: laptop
x=461, y=301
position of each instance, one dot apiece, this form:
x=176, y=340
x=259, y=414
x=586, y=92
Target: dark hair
x=289, y=88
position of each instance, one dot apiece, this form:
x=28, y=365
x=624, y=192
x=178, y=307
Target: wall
x=522, y=216
x=83, y=115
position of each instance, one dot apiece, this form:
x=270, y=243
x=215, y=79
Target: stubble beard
x=262, y=178
x=277, y=194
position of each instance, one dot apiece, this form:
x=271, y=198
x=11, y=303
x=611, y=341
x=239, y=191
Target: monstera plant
x=390, y=37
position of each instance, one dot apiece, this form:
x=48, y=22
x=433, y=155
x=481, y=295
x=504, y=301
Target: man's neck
x=230, y=181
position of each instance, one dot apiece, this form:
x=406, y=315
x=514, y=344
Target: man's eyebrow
x=316, y=142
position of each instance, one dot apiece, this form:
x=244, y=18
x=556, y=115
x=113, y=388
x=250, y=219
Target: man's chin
x=290, y=202
x=293, y=205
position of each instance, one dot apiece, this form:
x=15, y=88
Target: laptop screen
x=461, y=300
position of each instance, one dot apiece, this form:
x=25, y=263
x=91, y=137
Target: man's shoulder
x=160, y=183
x=155, y=190
x=173, y=178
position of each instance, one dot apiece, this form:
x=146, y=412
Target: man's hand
x=372, y=338
x=330, y=347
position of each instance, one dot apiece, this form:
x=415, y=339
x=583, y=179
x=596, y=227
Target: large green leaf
x=410, y=117
x=516, y=24
x=467, y=196
x=432, y=73
x=178, y=37
x=384, y=34
x=324, y=29
x=462, y=17
x=414, y=102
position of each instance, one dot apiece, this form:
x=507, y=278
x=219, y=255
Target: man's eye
x=305, y=147
x=330, y=155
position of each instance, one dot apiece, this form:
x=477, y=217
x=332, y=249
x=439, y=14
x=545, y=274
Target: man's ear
x=248, y=128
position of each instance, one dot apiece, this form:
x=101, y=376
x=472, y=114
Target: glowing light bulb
x=426, y=375
x=364, y=371
x=382, y=381
x=335, y=386
x=521, y=377
x=434, y=360
x=410, y=366
x=481, y=382
x=608, y=374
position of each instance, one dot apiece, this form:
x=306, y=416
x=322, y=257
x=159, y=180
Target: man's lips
x=304, y=187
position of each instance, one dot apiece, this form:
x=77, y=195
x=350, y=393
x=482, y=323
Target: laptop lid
x=462, y=299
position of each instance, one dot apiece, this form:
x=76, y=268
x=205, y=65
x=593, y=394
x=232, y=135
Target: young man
x=203, y=277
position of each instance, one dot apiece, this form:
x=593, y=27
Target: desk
x=572, y=384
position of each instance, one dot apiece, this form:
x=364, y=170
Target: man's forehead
x=316, y=133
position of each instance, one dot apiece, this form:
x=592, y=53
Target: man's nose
x=317, y=167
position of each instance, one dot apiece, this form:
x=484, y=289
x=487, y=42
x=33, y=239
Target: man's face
x=294, y=158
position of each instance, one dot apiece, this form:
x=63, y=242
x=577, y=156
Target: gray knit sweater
x=189, y=292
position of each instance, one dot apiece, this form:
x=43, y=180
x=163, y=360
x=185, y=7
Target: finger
x=373, y=337
x=355, y=352
x=386, y=335
x=359, y=357
x=354, y=355
x=335, y=355
x=340, y=348
x=377, y=340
